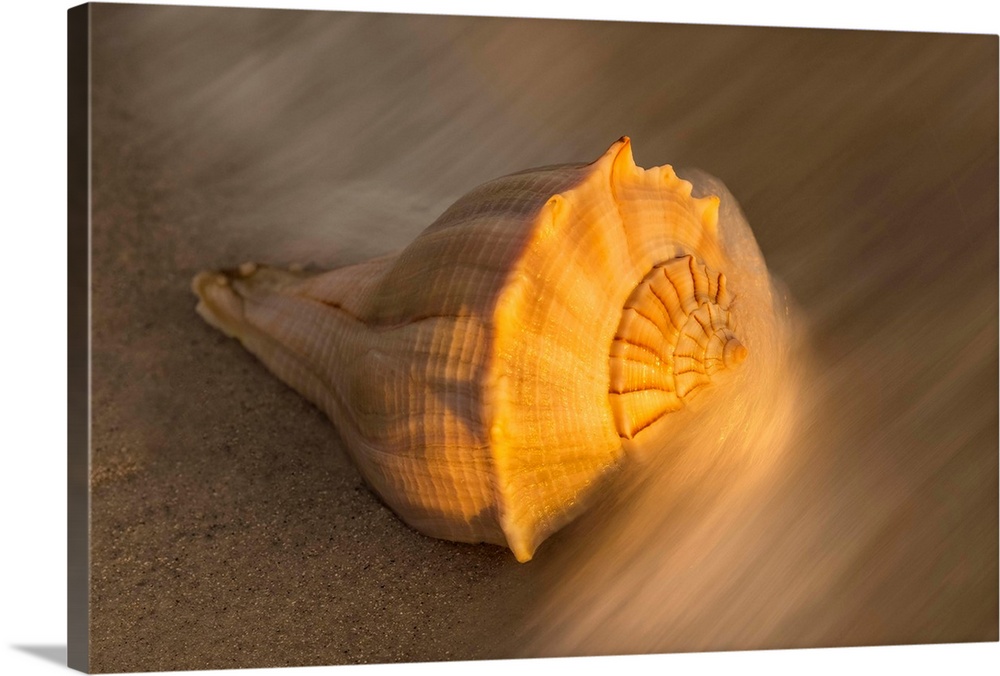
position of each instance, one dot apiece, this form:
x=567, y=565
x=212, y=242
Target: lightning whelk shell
x=485, y=379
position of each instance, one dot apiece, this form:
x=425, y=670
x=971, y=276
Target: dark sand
x=229, y=528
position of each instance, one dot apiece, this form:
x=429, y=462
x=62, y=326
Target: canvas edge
x=78, y=339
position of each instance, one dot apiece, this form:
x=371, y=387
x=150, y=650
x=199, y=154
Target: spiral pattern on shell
x=676, y=332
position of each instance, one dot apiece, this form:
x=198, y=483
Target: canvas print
x=424, y=338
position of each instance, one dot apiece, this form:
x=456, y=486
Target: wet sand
x=230, y=529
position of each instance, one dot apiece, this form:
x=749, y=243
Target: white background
x=33, y=335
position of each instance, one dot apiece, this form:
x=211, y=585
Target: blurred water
x=841, y=491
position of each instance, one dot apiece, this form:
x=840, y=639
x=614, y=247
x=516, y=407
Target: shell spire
x=676, y=333
x=488, y=378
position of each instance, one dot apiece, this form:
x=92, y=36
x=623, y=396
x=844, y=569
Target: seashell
x=490, y=377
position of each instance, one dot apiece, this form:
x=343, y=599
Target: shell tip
x=620, y=156
x=734, y=354
x=523, y=555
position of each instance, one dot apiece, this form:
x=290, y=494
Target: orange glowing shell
x=488, y=377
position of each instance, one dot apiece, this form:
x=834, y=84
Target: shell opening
x=675, y=334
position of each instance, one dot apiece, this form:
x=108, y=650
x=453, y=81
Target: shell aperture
x=489, y=378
